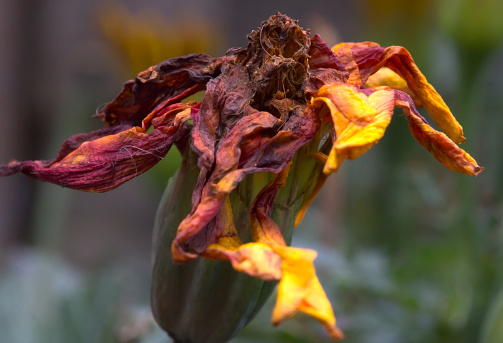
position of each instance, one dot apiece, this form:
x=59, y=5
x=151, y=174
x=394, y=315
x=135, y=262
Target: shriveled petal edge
x=103, y=160
x=437, y=143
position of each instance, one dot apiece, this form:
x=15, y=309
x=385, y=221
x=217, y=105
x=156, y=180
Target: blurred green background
x=408, y=251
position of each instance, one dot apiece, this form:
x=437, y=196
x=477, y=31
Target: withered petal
x=359, y=120
x=357, y=57
x=271, y=156
x=400, y=61
x=102, y=160
x=300, y=290
x=226, y=100
x=321, y=56
x=365, y=59
x=219, y=183
x=437, y=143
x=269, y=258
x=324, y=66
x=171, y=80
x=122, y=149
x=262, y=227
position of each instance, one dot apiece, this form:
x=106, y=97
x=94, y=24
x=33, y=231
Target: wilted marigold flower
x=277, y=118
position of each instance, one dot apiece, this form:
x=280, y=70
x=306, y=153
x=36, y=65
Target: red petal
x=172, y=80
x=102, y=160
x=271, y=156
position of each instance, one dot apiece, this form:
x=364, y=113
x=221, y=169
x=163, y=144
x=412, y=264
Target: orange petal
x=400, y=61
x=343, y=51
x=437, y=143
x=255, y=259
x=359, y=120
x=365, y=59
x=268, y=258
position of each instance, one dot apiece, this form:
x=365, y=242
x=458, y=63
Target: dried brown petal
x=170, y=81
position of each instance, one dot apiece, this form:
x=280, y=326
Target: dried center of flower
x=277, y=62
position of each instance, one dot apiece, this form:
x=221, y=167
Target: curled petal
x=300, y=290
x=272, y=156
x=437, y=143
x=219, y=184
x=359, y=120
x=171, y=80
x=324, y=66
x=255, y=259
x=102, y=160
x=269, y=258
x=322, y=57
x=400, y=61
x=263, y=228
x=387, y=77
x=357, y=76
x=227, y=100
x=365, y=59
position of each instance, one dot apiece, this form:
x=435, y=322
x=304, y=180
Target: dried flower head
x=277, y=118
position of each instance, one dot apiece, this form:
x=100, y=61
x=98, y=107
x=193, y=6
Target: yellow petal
x=364, y=59
x=387, y=77
x=400, y=61
x=300, y=290
x=359, y=120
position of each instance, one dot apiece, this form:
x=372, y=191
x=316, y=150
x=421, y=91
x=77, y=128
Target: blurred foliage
x=474, y=25
x=147, y=37
x=421, y=250
x=46, y=300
